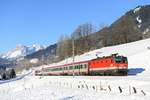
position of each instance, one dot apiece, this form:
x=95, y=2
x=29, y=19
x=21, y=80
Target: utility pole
x=42, y=65
x=73, y=54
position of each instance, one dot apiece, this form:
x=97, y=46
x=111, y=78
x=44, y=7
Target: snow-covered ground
x=19, y=77
x=136, y=86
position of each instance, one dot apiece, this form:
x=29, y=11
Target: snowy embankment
x=76, y=88
x=132, y=87
x=18, y=77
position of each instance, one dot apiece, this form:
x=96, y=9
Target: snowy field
x=135, y=86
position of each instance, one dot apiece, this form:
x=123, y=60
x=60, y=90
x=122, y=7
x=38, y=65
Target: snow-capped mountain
x=20, y=51
x=141, y=14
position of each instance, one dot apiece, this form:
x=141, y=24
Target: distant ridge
x=21, y=51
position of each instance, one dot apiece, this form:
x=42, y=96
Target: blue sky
x=43, y=21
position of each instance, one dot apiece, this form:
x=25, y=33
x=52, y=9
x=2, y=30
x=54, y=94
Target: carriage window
x=78, y=66
x=49, y=69
x=75, y=67
x=85, y=66
x=81, y=66
x=70, y=67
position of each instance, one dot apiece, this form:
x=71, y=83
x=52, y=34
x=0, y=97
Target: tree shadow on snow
x=135, y=71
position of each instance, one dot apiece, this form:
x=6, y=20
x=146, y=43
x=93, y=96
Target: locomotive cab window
x=124, y=60
x=120, y=59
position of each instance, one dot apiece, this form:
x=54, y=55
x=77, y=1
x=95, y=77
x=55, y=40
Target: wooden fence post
x=120, y=89
x=134, y=90
x=109, y=88
x=143, y=92
x=87, y=87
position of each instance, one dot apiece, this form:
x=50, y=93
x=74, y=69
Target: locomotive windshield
x=120, y=59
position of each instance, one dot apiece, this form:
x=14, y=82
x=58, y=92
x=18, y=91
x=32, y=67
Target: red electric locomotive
x=110, y=65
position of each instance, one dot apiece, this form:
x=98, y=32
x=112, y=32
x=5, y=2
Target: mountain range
x=21, y=51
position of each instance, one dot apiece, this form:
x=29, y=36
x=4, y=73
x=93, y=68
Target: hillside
x=4, y=61
x=132, y=26
x=134, y=86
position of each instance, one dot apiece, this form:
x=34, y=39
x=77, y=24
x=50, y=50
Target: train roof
x=68, y=64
